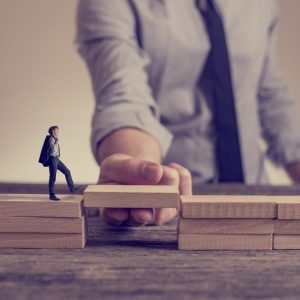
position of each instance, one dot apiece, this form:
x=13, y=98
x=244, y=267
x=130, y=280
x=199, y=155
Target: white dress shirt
x=147, y=63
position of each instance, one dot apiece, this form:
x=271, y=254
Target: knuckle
x=186, y=174
x=107, y=165
x=114, y=215
x=173, y=174
x=182, y=171
x=140, y=219
x=165, y=215
x=108, y=160
x=142, y=216
x=117, y=215
x=129, y=165
x=159, y=220
x=104, y=166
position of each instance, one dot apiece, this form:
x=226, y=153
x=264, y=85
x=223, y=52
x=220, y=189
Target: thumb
x=125, y=169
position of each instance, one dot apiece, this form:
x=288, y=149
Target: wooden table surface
x=144, y=263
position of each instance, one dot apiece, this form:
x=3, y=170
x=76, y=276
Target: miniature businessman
x=50, y=158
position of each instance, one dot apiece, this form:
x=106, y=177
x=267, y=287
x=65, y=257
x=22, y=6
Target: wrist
x=132, y=142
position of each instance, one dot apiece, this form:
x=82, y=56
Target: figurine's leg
x=53, y=163
x=62, y=167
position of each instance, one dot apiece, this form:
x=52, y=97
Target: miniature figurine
x=49, y=157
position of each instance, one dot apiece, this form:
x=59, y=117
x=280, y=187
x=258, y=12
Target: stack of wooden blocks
x=33, y=221
x=287, y=224
x=237, y=222
x=206, y=222
x=213, y=222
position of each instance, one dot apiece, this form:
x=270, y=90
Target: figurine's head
x=53, y=130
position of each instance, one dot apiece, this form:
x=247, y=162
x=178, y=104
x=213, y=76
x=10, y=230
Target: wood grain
x=226, y=226
x=228, y=206
x=224, y=242
x=287, y=227
x=286, y=242
x=41, y=225
x=45, y=240
x=131, y=196
x=32, y=205
x=289, y=208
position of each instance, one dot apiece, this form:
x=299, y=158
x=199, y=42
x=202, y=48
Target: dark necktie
x=228, y=147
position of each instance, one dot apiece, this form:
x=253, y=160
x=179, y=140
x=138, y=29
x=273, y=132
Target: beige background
x=43, y=82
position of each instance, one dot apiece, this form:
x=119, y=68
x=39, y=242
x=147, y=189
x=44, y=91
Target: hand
x=124, y=169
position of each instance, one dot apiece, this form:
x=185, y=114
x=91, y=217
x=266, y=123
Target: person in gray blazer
x=186, y=91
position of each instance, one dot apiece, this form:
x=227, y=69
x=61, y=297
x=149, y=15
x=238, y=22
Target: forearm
x=130, y=141
x=293, y=170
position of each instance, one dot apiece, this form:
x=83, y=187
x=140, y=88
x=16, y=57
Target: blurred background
x=44, y=82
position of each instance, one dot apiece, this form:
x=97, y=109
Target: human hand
x=125, y=169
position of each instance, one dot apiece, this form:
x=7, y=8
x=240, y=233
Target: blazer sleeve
x=106, y=38
x=279, y=114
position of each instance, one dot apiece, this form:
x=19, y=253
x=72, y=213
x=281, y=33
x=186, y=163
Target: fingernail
x=149, y=172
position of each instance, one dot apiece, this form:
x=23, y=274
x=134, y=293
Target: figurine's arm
x=52, y=143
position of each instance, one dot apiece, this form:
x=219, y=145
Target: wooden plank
x=228, y=206
x=226, y=226
x=289, y=207
x=22, y=205
x=286, y=242
x=224, y=242
x=43, y=240
x=41, y=225
x=148, y=253
x=287, y=226
x=131, y=196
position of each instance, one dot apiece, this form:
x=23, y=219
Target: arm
x=278, y=113
x=128, y=140
x=52, y=143
x=117, y=64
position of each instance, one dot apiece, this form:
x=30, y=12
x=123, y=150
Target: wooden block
x=226, y=226
x=289, y=207
x=224, y=241
x=287, y=227
x=25, y=205
x=228, y=206
x=42, y=225
x=131, y=196
x=286, y=242
x=40, y=240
